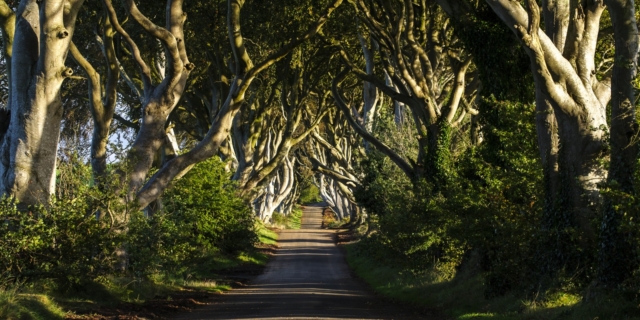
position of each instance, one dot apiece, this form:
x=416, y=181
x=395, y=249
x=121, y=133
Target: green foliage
x=619, y=261
x=63, y=241
x=474, y=250
x=463, y=297
x=439, y=160
x=499, y=196
x=484, y=207
x=504, y=67
x=203, y=219
x=310, y=194
x=411, y=229
x=202, y=216
x=63, y=251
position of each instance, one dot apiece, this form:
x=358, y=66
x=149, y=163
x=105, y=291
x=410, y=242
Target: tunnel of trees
x=495, y=133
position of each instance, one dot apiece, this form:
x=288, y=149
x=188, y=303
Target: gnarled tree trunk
x=28, y=152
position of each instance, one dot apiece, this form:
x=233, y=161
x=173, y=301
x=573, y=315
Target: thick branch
x=401, y=163
x=145, y=71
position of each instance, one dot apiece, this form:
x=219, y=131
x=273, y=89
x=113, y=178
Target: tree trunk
x=566, y=82
x=29, y=148
x=102, y=102
x=616, y=252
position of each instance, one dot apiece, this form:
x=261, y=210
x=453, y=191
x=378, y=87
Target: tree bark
x=29, y=148
x=615, y=262
x=102, y=102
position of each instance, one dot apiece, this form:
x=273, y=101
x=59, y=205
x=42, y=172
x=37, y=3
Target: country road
x=307, y=278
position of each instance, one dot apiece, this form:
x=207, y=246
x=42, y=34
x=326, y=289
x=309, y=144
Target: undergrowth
x=463, y=296
x=59, y=259
x=46, y=299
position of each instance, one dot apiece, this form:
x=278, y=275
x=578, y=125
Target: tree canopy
x=444, y=128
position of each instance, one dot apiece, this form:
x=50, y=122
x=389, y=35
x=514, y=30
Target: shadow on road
x=306, y=279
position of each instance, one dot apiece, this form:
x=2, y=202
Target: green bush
x=202, y=216
x=491, y=206
x=63, y=241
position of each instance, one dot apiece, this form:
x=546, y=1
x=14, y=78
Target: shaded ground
x=165, y=306
x=307, y=278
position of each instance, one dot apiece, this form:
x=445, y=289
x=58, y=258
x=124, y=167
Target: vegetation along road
x=307, y=278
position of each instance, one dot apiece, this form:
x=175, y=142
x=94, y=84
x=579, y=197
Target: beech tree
x=245, y=72
x=102, y=91
x=300, y=98
x=332, y=154
x=425, y=70
x=573, y=88
x=36, y=48
x=614, y=244
x=30, y=143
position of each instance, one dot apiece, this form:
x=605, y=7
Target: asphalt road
x=307, y=278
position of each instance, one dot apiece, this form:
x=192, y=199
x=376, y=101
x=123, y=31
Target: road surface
x=307, y=278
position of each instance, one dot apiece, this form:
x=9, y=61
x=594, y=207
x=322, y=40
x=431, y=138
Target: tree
x=102, y=95
x=38, y=46
x=245, y=72
x=425, y=70
x=573, y=86
x=615, y=256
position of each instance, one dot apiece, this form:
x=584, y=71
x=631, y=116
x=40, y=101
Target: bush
x=202, y=216
x=491, y=205
x=64, y=241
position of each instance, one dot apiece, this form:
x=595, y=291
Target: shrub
x=63, y=241
x=491, y=205
x=202, y=216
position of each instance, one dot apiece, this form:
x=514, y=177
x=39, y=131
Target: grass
x=15, y=305
x=266, y=235
x=294, y=220
x=291, y=221
x=463, y=297
x=44, y=300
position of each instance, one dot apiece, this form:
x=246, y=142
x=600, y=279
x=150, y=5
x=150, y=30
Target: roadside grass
x=294, y=220
x=265, y=235
x=291, y=221
x=15, y=305
x=463, y=297
x=44, y=300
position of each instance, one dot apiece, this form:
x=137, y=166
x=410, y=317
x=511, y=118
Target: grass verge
x=291, y=221
x=294, y=220
x=463, y=297
x=150, y=297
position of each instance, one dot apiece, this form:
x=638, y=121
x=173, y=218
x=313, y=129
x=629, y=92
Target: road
x=307, y=278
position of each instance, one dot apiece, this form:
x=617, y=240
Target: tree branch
x=401, y=163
